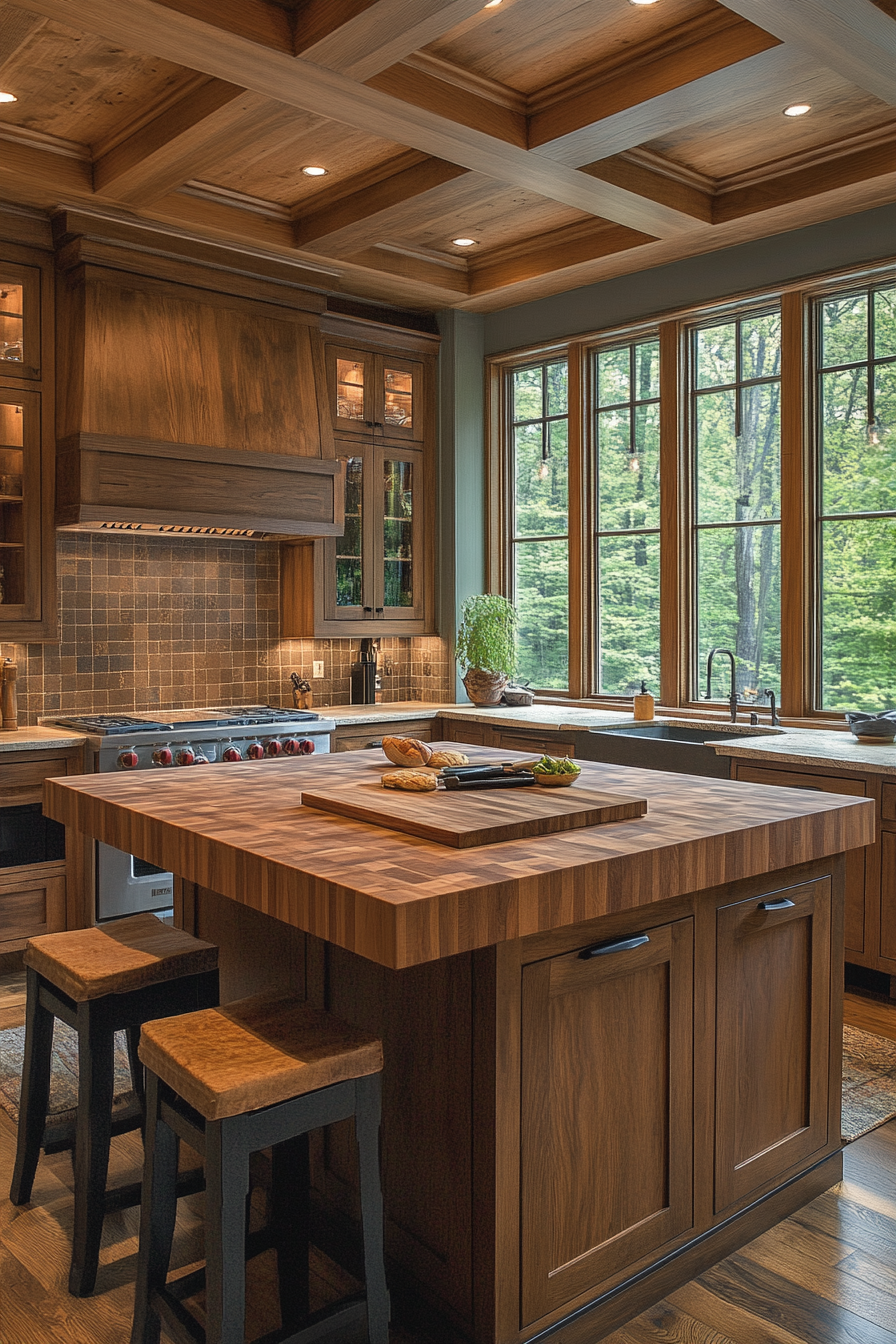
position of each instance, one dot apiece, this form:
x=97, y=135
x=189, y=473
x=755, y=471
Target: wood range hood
x=192, y=396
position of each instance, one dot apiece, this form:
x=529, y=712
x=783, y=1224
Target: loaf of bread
x=406, y=751
x=414, y=781
x=439, y=758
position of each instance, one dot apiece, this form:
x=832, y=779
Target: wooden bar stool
x=259, y=1073
x=99, y=981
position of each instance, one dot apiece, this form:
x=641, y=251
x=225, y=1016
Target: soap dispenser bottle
x=643, y=703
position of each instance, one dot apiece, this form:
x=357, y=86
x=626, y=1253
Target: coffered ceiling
x=571, y=140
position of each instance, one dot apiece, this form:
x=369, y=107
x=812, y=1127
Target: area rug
x=869, y=1076
x=63, y=1073
x=869, y=1082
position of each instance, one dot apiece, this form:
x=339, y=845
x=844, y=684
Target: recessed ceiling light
x=464, y=242
x=313, y=171
x=8, y=98
x=797, y=109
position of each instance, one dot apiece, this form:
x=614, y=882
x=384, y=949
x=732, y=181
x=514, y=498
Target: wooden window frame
x=799, y=593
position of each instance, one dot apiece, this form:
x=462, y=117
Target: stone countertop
x=39, y=739
x=536, y=716
x=808, y=746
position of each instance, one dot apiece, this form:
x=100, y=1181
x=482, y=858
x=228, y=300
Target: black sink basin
x=665, y=746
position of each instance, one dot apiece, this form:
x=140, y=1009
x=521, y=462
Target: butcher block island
x=612, y=1053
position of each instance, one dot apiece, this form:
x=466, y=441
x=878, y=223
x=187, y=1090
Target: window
x=540, y=527
x=723, y=479
x=627, y=542
x=735, y=416
x=855, y=341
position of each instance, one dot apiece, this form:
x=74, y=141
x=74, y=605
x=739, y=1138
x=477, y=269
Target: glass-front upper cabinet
x=378, y=570
x=20, y=477
x=19, y=321
x=377, y=396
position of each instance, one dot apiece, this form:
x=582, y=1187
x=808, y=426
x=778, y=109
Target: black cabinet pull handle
x=619, y=945
x=378, y=610
x=781, y=903
x=367, y=608
x=377, y=743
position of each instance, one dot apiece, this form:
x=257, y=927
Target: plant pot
x=485, y=688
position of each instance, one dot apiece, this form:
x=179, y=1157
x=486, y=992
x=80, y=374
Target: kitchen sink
x=685, y=748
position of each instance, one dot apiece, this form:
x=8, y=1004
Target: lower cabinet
x=348, y=737
x=773, y=1018
x=855, y=921
x=32, y=901
x=607, y=1111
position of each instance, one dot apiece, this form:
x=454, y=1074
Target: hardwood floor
x=826, y=1275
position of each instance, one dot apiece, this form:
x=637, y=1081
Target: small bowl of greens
x=553, y=772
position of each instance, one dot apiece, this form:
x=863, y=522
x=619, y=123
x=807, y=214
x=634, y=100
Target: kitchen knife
x=515, y=781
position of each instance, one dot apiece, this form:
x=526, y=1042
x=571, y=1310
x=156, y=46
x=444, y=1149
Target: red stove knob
x=185, y=756
x=255, y=751
x=163, y=756
x=231, y=754
x=274, y=747
x=291, y=746
x=128, y=760
x=306, y=746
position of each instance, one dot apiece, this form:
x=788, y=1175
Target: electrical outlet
x=317, y=669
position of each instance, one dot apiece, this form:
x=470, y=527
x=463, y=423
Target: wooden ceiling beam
x=657, y=186
x=832, y=174
x=721, y=40
x=365, y=204
x=174, y=146
x=567, y=247
x=437, y=95
x=855, y=38
x=35, y=175
x=143, y=25
x=443, y=282
x=269, y=25
x=361, y=37
x=639, y=122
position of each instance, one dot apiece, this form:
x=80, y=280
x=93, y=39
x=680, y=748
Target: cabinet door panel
x=773, y=1035
x=606, y=1113
x=545, y=744
x=888, y=895
x=854, y=890
x=32, y=902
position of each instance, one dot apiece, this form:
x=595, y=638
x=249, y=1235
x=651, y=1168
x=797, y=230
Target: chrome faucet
x=732, y=699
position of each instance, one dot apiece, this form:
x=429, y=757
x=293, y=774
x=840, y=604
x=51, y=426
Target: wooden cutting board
x=471, y=817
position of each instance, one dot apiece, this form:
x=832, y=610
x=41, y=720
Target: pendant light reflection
x=875, y=432
x=634, y=465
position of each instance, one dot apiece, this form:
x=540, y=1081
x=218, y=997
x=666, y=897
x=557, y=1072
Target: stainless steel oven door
x=127, y=886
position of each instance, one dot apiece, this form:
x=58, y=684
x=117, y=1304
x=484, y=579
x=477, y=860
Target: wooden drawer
x=372, y=734
x=792, y=779
x=888, y=802
x=539, y=744
x=22, y=775
x=32, y=901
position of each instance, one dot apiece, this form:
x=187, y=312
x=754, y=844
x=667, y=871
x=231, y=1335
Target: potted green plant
x=486, y=646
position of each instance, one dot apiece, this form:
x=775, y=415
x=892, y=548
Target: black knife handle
x=495, y=782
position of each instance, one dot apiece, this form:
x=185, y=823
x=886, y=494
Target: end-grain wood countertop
x=400, y=900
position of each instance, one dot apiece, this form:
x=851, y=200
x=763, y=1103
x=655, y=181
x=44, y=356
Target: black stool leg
x=35, y=1090
x=132, y=1037
x=158, y=1212
x=367, y=1132
x=226, y=1187
x=291, y=1222
x=92, y=1137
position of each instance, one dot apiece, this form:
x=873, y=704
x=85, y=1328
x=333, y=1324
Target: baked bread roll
x=406, y=751
x=413, y=781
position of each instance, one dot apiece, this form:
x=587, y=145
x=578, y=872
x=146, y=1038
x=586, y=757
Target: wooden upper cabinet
x=375, y=396
x=28, y=609
x=773, y=1025
x=606, y=1112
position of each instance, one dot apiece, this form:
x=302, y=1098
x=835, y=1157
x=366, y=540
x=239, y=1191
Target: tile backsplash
x=162, y=623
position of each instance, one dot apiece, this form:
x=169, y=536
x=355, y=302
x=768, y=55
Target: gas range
x=181, y=737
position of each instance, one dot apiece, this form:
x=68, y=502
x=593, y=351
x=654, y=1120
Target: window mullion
x=797, y=499
x=673, y=534
x=581, y=549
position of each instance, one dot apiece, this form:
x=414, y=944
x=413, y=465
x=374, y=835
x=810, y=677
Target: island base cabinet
x=607, y=1107
x=773, y=1024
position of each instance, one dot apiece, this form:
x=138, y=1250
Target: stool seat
x=255, y=1053
x=99, y=981
x=256, y=1074
x=127, y=954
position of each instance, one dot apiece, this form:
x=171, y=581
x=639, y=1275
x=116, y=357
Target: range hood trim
x=88, y=494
